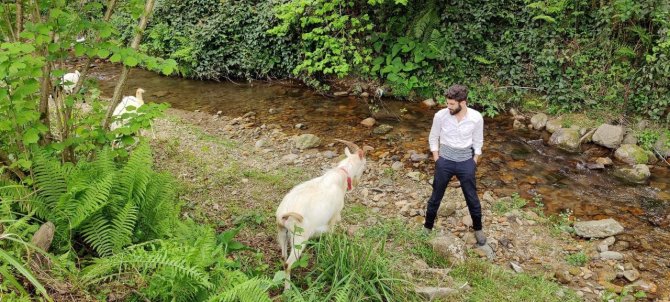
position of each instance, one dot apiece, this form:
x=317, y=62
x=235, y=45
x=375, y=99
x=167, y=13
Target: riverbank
x=235, y=170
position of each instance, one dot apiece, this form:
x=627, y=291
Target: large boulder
x=553, y=125
x=637, y=174
x=450, y=247
x=566, y=139
x=598, y=228
x=307, y=141
x=609, y=136
x=539, y=121
x=662, y=145
x=631, y=154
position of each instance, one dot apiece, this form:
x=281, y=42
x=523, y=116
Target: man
x=456, y=140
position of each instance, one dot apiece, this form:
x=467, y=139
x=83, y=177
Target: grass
x=505, y=205
x=577, y=259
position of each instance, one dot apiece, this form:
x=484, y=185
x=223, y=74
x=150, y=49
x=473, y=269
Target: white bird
x=70, y=81
x=135, y=101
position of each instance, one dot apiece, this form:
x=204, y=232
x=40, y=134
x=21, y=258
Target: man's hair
x=457, y=92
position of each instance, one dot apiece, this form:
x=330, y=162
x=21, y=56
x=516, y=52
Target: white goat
x=313, y=207
x=70, y=81
x=124, y=106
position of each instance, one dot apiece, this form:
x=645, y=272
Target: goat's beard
x=455, y=111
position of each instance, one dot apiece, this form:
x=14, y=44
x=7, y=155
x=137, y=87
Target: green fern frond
x=253, y=290
x=50, y=181
x=422, y=27
x=135, y=175
x=80, y=207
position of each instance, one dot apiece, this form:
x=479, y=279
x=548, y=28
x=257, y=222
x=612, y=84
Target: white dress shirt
x=447, y=130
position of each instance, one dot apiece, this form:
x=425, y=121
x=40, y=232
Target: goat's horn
x=367, y=148
x=349, y=144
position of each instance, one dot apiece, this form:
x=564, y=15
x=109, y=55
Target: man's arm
x=478, y=138
x=434, y=136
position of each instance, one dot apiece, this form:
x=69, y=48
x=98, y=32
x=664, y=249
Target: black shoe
x=481, y=238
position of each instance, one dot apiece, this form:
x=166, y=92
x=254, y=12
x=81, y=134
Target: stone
x=631, y=275
x=341, y=93
x=450, y=247
x=432, y=293
x=608, y=241
x=631, y=154
x=430, y=103
x=397, y=166
x=553, y=125
x=290, y=157
x=44, y=236
x=307, y=141
x=300, y=126
x=603, y=248
x=447, y=209
x=365, y=95
x=638, y=174
x=598, y=228
x=518, y=125
x=467, y=220
x=609, y=136
x=662, y=145
x=611, y=255
x=329, y=154
x=539, y=121
x=604, y=160
x=418, y=157
x=566, y=139
x=260, y=144
x=415, y=175
x=516, y=267
x=368, y=122
x=630, y=139
x=485, y=251
x=382, y=129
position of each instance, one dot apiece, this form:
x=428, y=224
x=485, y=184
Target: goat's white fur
x=70, y=81
x=124, y=106
x=313, y=207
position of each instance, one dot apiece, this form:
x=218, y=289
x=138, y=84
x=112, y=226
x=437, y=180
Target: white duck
x=70, y=81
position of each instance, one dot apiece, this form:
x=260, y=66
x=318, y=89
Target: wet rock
x=566, y=139
x=368, y=122
x=382, y=129
x=300, y=126
x=307, y=141
x=518, y=125
x=450, y=247
x=637, y=174
x=598, y=228
x=611, y=255
x=595, y=166
x=553, y=125
x=604, y=161
x=430, y=103
x=631, y=154
x=539, y=121
x=609, y=136
x=340, y=93
x=365, y=95
x=432, y=293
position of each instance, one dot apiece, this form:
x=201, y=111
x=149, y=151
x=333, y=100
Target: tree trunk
x=19, y=18
x=118, y=90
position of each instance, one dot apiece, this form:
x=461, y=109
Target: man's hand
x=435, y=156
x=476, y=158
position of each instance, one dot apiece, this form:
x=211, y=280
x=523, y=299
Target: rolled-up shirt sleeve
x=434, y=136
x=478, y=136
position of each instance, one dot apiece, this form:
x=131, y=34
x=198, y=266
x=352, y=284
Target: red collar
x=348, y=179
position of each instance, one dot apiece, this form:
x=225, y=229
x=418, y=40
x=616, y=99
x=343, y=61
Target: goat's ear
x=361, y=153
x=347, y=152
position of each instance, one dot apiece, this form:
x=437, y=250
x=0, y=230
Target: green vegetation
x=577, y=259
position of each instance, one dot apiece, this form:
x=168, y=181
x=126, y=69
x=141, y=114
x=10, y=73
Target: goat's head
x=354, y=163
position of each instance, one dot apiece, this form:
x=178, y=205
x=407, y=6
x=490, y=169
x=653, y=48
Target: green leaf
x=79, y=50
x=31, y=136
x=115, y=58
x=25, y=272
x=103, y=53
x=130, y=61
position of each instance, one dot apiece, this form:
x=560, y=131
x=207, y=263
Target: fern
x=422, y=26
x=253, y=290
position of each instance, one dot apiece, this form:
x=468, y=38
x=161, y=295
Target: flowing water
x=513, y=160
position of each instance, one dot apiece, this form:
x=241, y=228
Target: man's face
x=454, y=106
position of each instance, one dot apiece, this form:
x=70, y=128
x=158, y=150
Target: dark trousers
x=465, y=172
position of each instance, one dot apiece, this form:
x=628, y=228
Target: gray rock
x=447, y=209
x=487, y=251
x=630, y=139
x=516, y=266
x=415, y=175
x=662, y=145
x=307, y=141
x=603, y=248
x=539, y=121
x=609, y=136
x=365, y=94
x=329, y=154
x=631, y=275
x=631, y=154
x=553, y=125
x=467, y=220
x=449, y=246
x=432, y=293
x=430, y=103
x=260, y=143
x=397, y=166
x=638, y=174
x=382, y=129
x=44, y=236
x=608, y=241
x=290, y=157
x=566, y=139
x=418, y=157
x=518, y=125
x=341, y=93
x=611, y=255
x=368, y=122
x=598, y=228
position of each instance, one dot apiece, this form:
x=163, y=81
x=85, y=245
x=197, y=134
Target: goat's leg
x=297, y=246
x=282, y=237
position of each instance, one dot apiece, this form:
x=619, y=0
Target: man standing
x=456, y=140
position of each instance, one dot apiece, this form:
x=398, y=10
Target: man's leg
x=466, y=175
x=443, y=174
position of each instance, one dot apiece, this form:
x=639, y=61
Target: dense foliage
x=558, y=55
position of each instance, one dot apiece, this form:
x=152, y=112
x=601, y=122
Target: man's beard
x=456, y=111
